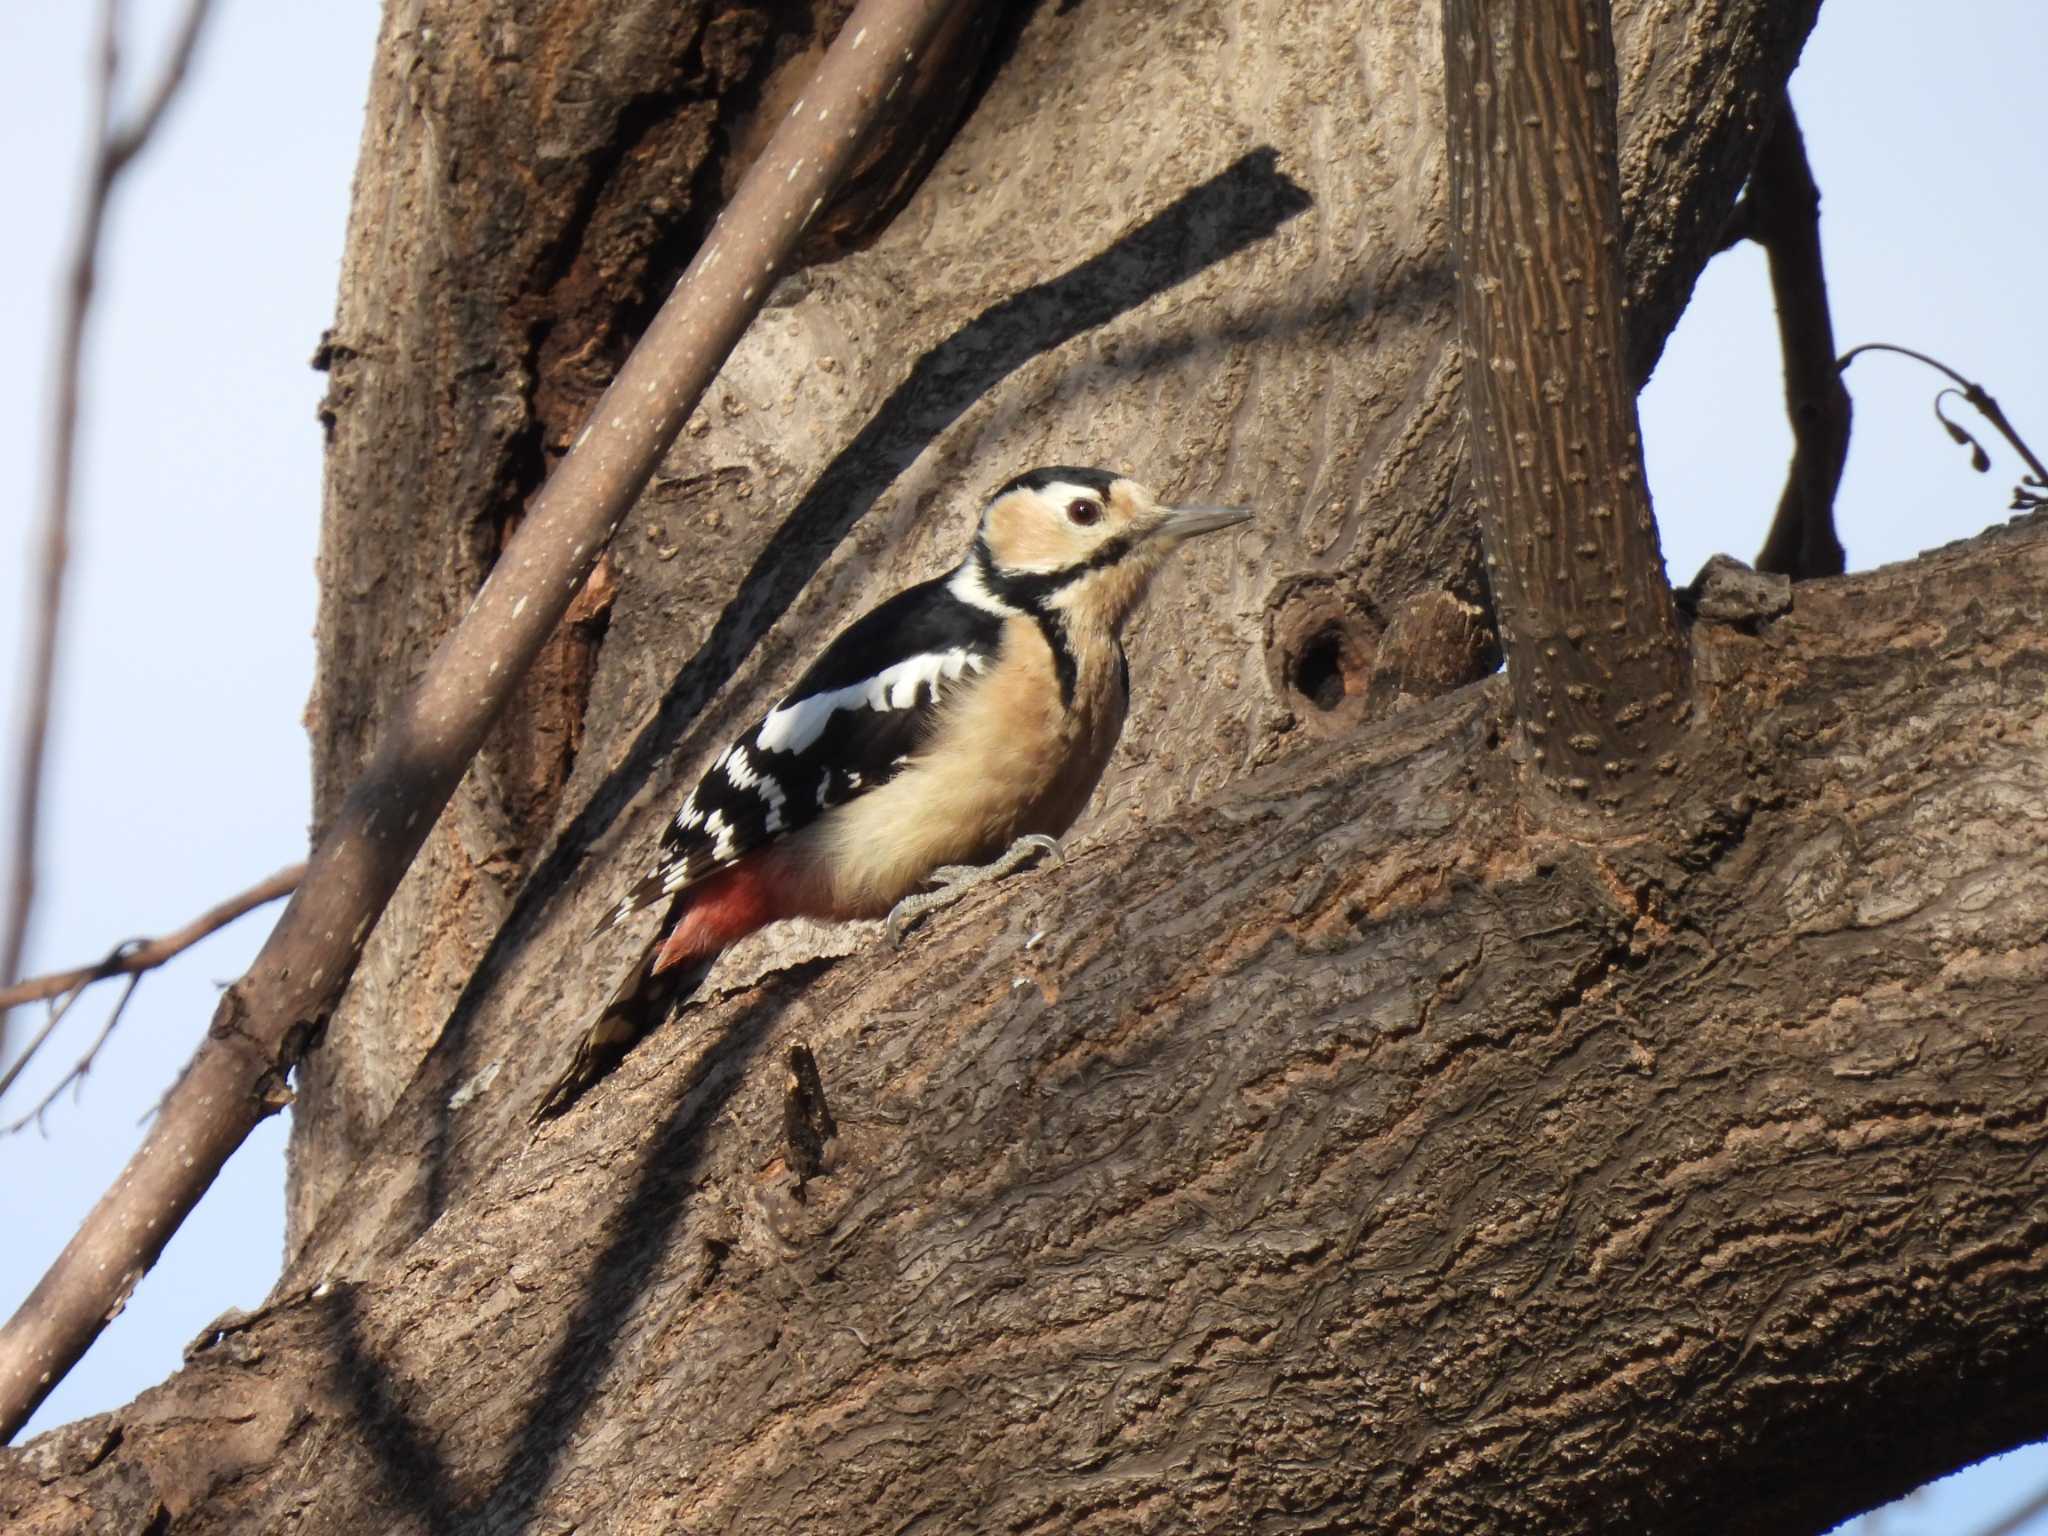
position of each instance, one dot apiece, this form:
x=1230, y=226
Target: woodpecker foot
x=956, y=880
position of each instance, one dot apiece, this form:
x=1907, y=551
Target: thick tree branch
x=111, y=150
x=1586, y=618
x=1171, y=317
x=1350, y=1152
x=1783, y=216
x=267, y=1017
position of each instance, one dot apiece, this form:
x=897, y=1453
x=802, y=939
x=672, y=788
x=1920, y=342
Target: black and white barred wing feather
x=858, y=715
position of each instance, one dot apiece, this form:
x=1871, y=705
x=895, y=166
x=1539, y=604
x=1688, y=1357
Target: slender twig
x=1978, y=396
x=136, y=956
x=56, y=532
x=1782, y=214
x=147, y=954
x=112, y=149
x=50, y=1024
x=127, y=141
x=83, y=1064
x=266, y=1019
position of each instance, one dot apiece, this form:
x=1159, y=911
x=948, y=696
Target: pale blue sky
x=179, y=769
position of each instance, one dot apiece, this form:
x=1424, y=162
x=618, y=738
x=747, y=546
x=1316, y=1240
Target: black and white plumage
x=849, y=726
x=971, y=714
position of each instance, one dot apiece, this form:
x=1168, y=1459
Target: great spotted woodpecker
x=964, y=721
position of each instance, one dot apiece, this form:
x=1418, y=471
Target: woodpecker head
x=1080, y=542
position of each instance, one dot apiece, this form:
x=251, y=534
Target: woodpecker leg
x=956, y=880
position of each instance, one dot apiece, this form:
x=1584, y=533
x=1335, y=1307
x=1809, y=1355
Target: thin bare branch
x=57, y=1015
x=134, y=956
x=55, y=546
x=110, y=152
x=83, y=1065
x=1783, y=217
x=1978, y=397
x=127, y=142
x=147, y=954
x=265, y=1020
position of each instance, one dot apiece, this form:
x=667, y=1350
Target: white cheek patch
x=795, y=726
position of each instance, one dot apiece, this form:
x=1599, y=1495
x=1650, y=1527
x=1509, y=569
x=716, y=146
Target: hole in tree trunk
x=1320, y=645
x=1319, y=670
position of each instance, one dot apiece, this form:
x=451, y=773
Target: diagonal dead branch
x=1781, y=213
x=266, y=1019
x=112, y=150
x=135, y=956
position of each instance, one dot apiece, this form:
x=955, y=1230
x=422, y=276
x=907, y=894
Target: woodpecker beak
x=1185, y=522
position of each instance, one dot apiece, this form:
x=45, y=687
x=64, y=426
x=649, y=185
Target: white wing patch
x=721, y=831
x=795, y=726
x=761, y=786
x=772, y=793
x=734, y=763
x=741, y=772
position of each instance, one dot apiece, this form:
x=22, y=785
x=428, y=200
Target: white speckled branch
x=266, y=1018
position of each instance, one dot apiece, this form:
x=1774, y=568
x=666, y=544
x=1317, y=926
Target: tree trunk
x=1353, y=1153
x=1335, y=1141
x=1225, y=218
x=1585, y=611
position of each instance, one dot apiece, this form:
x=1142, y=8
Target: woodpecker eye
x=1083, y=511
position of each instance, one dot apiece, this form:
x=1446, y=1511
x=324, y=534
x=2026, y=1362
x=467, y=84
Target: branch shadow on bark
x=1215, y=220
x=414, y=1468
x=641, y=1230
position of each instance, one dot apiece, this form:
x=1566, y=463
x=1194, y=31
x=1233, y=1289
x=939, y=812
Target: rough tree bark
x=1355, y=1155
x=1226, y=218
x=1355, y=1149
x=1572, y=559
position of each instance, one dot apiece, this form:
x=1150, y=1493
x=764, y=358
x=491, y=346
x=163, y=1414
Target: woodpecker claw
x=956, y=880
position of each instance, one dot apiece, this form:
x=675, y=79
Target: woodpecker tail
x=643, y=1000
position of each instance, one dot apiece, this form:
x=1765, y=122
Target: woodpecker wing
x=850, y=724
